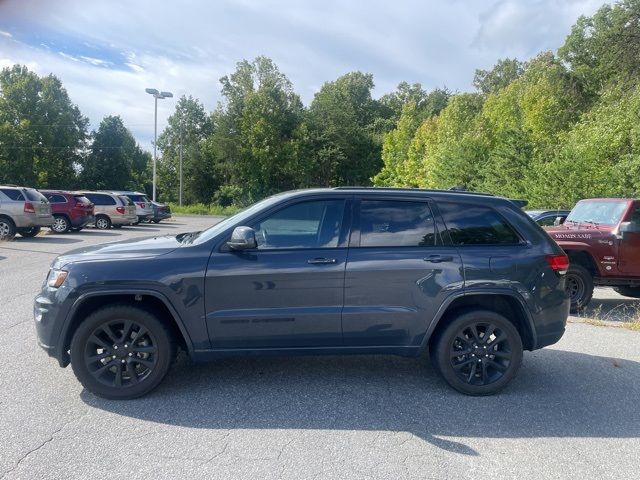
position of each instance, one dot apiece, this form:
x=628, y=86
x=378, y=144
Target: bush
x=202, y=209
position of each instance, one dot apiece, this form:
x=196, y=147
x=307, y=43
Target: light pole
x=156, y=95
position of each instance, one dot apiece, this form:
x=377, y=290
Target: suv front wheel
x=478, y=352
x=121, y=352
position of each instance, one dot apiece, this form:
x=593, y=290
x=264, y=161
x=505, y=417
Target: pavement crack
x=33, y=450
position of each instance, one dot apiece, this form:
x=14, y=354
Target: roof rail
x=410, y=189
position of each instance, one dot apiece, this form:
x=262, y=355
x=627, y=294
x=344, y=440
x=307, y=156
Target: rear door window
x=470, y=224
x=391, y=223
x=100, y=199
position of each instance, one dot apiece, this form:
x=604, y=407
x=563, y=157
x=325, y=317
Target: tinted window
x=99, y=199
x=472, y=225
x=53, y=198
x=81, y=199
x=125, y=200
x=13, y=194
x=138, y=198
x=388, y=223
x=314, y=224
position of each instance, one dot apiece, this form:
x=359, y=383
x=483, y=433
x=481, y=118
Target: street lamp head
x=151, y=91
x=166, y=94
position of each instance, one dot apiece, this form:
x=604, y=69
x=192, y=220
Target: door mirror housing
x=557, y=221
x=243, y=238
x=629, y=227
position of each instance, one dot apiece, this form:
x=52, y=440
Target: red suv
x=71, y=211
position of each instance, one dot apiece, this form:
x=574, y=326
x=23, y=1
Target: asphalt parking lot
x=573, y=411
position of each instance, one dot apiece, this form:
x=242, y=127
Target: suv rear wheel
x=478, y=352
x=103, y=222
x=29, y=232
x=121, y=352
x=579, y=286
x=60, y=224
x=7, y=229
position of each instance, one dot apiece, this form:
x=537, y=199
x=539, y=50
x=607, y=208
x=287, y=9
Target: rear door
x=629, y=246
x=399, y=272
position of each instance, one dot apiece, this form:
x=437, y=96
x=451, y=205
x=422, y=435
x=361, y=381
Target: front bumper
x=48, y=317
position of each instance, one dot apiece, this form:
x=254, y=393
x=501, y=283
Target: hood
x=134, y=248
x=579, y=232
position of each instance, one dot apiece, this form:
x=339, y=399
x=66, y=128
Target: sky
x=106, y=52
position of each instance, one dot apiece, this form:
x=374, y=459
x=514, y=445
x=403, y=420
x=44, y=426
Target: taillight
x=28, y=207
x=558, y=263
x=120, y=210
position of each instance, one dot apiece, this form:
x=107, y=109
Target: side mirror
x=629, y=227
x=243, y=238
x=557, y=221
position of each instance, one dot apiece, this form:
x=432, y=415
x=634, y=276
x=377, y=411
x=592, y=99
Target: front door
x=398, y=273
x=288, y=292
x=629, y=246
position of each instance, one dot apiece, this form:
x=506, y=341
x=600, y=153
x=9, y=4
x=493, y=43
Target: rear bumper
x=80, y=222
x=27, y=221
x=124, y=219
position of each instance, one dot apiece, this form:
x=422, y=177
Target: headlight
x=56, y=278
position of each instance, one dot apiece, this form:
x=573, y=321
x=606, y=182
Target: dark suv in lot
x=468, y=277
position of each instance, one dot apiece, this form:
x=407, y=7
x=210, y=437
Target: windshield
x=597, y=212
x=238, y=218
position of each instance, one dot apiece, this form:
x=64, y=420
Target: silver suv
x=111, y=210
x=24, y=211
x=144, y=208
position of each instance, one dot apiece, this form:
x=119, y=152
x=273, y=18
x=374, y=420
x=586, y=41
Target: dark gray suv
x=468, y=277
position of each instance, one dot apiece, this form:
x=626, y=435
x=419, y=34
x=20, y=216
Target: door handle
x=438, y=258
x=321, y=261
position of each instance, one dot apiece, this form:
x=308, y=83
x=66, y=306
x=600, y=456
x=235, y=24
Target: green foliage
x=203, y=209
x=42, y=134
x=115, y=162
x=500, y=76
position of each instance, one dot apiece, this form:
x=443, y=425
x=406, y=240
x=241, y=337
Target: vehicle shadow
x=96, y=233
x=557, y=394
x=47, y=239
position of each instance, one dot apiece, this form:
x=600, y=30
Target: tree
x=253, y=144
x=501, y=75
x=187, y=128
x=342, y=142
x=42, y=134
x=604, y=48
x=115, y=161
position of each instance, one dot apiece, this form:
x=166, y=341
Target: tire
x=7, y=229
x=156, y=221
x=141, y=359
x=501, y=352
x=631, y=292
x=29, y=232
x=103, y=222
x=61, y=224
x=579, y=287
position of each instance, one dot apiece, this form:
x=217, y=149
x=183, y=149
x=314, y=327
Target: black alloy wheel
x=121, y=352
x=478, y=352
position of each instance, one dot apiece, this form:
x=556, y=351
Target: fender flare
x=64, y=331
x=437, y=319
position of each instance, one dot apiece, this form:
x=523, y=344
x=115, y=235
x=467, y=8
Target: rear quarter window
x=34, y=195
x=475, y=225
x=125, y=200
x=13, y=194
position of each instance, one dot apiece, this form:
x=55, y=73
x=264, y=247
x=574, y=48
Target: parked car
x=71, y=211
x=468, y=277
x=22, y=210
x=160, y=212
x=601, y=236
x=111, y=210
x=144, y=210
x=548, y=218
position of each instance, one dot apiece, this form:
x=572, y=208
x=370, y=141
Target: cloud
x=107, y=53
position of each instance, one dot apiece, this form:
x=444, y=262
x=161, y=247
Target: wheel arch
x=583, y=258
x=155, y=302
x=508, y=304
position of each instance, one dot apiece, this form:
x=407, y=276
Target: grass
x=630, y=317
x=203, y=209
